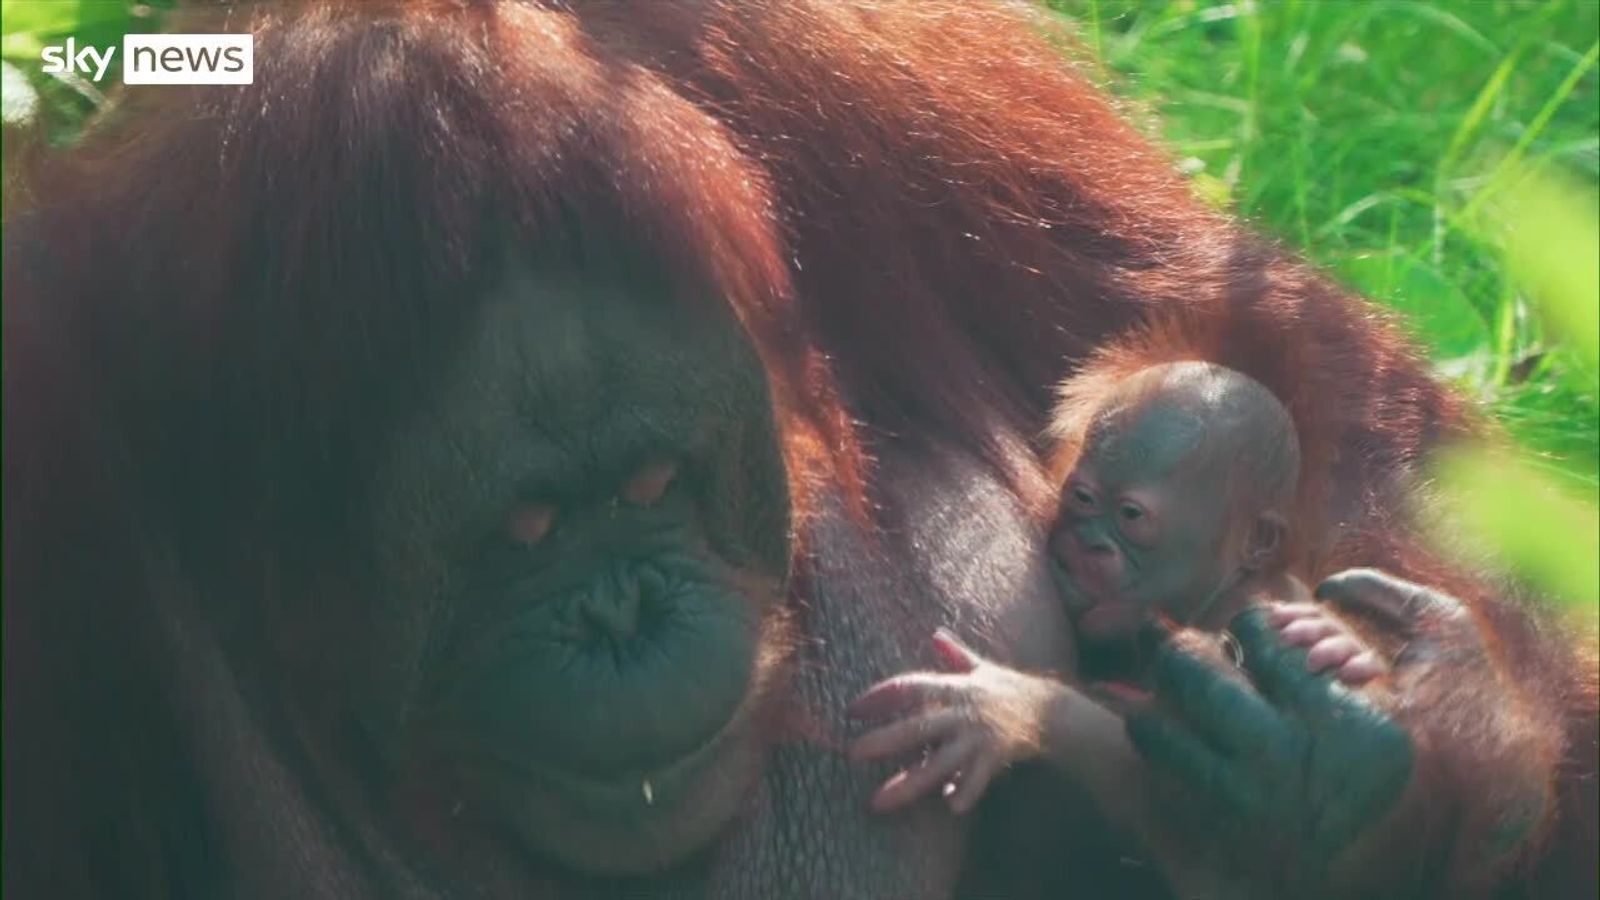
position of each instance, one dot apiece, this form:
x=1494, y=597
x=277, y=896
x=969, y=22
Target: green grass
x=1384, y=138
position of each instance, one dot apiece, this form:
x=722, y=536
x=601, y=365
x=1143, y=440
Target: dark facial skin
x=1148, y=522
x=581, y=544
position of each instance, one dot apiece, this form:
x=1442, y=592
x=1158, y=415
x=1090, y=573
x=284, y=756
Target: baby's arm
x=976, y=718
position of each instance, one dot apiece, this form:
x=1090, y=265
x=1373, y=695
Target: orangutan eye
x=530, y=523
x=1083, y=496
x=1130, y=513
x=649, y=484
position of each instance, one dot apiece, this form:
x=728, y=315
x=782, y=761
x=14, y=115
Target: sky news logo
x=160, y=59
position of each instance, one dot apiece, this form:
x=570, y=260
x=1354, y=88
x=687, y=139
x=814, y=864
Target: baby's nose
x=1087, y=554
x=1102, y=555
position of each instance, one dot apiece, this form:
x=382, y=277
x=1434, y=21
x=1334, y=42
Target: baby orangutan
x=1175, y=513
x=1177, y=509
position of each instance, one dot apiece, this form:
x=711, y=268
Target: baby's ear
x=1266, y=540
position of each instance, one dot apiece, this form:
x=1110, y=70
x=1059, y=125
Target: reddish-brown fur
x=922, y=216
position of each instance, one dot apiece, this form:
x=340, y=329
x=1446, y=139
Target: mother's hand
x=1290, y=755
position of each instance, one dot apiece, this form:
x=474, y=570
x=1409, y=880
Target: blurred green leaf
x=58, y=18
x=1551, y=232
x=22, y=46
x=1548, y=534
x=42, y=17
x=1213, y=190
x=18, y=100
x=31, y=25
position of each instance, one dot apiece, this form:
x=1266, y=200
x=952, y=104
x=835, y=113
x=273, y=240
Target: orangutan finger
x=1307, y=632
x=1281, y=614
x=1332, y=652
x=1362, y=668
x=908, y=785
x=899, y=695
x=905, y=736
x=956, y=656
x=1216, y=700
x=974, y=780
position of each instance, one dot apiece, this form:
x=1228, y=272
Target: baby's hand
x=1330, y=643
x=974, y=719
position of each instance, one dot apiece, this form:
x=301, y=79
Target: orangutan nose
x=613, y=614
x=611, y=611
x=1095, y=559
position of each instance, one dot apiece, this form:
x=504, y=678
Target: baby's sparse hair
x=1248, y=429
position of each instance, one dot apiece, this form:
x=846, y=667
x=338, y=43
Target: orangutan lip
x=634, y=790
x=1111, y=619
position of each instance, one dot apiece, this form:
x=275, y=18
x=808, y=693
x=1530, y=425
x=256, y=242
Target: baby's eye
x=1130, y=513
x=1082, y=496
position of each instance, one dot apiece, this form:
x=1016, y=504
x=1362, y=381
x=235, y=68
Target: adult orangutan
x=483, y=457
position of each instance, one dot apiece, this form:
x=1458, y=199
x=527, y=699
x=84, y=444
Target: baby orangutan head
x=1181, y=490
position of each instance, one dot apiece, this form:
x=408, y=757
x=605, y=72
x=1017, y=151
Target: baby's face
x=1144, y=522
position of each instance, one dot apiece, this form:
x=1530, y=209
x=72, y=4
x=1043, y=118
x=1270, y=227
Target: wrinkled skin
x=580, y=542
x=1145, y=526
x=1304, y=766
x=1294, y=759
x=1178, y=497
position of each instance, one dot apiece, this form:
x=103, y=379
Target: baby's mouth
x=1096, y=619
x=1082, y=588
x=1110, y=620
